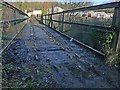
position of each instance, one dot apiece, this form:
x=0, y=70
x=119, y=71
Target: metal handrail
x=12, y=21
x=102, y=6
x=13, y=7
x=109, y=29
x=112, y=28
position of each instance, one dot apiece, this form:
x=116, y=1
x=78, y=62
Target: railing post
x=45, y=19
x=51, y=21
x=62, y=22
x=42, y=19
x=116, y=25
x=59, y=17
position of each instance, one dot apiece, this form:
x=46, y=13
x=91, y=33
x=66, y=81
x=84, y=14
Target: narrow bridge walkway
x=40, y=57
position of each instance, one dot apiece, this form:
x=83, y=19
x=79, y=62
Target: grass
x=112, y=57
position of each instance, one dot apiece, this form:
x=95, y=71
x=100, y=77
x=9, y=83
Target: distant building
x=103, y=15
x=97, y=15
x=55, y=10
x=37, y=12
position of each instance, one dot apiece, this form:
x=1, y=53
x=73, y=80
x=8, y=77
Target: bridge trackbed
x=44, y=58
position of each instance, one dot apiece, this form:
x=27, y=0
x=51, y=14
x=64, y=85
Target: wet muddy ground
x=40, y=57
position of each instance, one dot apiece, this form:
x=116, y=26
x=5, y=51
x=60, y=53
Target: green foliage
x=104, y=41
x=44, y=11
x=111, y=55
x=108, y=43
x=29, y=10
x=109, y=38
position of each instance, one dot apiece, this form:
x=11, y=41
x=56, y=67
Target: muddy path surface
x=40, y=57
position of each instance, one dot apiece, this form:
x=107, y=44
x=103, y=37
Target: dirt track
x=40, y=57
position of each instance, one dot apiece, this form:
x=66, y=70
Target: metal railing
x=12, y=20
x=91, y=31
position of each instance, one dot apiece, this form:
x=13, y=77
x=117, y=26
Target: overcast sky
x=95, y=2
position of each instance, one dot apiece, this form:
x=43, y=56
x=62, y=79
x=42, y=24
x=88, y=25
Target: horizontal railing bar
x=109, y=29
x=5, y=21
x=3, y=3
x=13, y=7
x=1, y=51
x=96, y=7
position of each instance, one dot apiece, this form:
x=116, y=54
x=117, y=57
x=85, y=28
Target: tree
x=69, y=4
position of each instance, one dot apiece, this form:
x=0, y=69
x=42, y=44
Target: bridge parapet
x=95, y=26
x=12, y=21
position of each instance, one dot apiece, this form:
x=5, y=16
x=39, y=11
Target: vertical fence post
x=62, y=22
x=59, y=17
x=45, y=19
x=41, y=19
x=116, y=25
x=49, y=17
x=51, y=21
